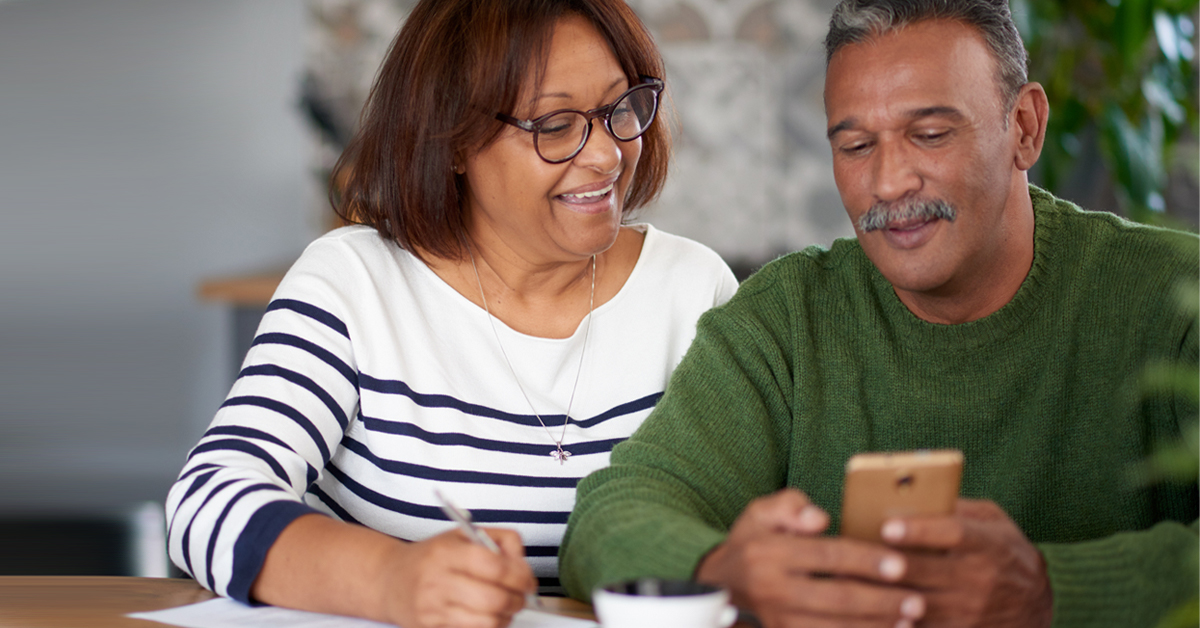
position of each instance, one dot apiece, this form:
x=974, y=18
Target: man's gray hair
x=855, y=21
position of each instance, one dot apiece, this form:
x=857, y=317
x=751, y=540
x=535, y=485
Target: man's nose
x=895, y=171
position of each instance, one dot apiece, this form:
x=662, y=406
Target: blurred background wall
x=146, y=145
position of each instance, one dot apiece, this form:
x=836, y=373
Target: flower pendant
x=560, y=455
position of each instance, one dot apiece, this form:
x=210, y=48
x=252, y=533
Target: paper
x=226, y=613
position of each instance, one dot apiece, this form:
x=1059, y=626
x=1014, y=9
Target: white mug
x=658, y=603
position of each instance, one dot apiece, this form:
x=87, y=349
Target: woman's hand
x=450, y=581
x=319, y=564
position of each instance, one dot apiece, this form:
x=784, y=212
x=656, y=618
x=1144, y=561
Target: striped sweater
x=371, y=382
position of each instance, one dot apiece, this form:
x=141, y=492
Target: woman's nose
x=602, y=151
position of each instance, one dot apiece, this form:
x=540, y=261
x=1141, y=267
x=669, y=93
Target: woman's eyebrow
x=566, y=95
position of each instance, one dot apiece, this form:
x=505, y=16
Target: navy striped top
x=371, y=382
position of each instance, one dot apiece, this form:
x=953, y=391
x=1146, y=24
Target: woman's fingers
x=454, y=581
x=508, y=569
x=462, y=601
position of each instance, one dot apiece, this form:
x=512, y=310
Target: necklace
x=559, y=453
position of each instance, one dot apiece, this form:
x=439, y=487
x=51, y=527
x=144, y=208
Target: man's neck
x=994, y=283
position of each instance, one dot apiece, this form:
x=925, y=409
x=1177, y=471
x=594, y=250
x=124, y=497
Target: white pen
x=463, y=519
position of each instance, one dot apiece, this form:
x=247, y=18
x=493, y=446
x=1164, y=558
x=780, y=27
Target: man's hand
x=982, y=570
x=776, y=564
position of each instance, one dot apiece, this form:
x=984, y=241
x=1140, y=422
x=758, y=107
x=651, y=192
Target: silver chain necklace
x=559, y=453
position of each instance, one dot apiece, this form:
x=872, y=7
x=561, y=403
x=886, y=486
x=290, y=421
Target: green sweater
x=816, y=359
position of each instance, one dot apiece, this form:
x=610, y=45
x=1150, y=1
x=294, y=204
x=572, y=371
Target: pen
x=463, y=519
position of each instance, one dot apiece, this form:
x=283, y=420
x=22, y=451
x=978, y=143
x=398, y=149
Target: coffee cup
x=660, y=603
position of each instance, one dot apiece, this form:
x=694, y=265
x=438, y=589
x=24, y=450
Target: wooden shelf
x=253, y=289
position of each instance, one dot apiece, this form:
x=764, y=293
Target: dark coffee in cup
x=662, y=603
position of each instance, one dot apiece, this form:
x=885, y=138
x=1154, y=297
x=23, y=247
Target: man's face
x=918, y=132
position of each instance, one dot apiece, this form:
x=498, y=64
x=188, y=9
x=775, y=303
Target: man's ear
x=1029, y=121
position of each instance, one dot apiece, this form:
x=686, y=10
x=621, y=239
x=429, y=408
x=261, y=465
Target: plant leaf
x=1169, y=40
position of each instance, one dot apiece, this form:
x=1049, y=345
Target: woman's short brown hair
x=452, y=67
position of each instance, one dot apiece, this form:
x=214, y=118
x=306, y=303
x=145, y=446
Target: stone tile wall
x=751, y=175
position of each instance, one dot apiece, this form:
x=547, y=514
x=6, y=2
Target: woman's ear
x=458, y=161
x=1029, y=122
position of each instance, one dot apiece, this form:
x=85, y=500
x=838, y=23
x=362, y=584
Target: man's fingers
x=969, y=528
x=940, y=533
x=981, y=509
x=816, y=621
x=935, y=570
x=935, y=533
x=846, y=598
x=787, y=510
x=835, y=556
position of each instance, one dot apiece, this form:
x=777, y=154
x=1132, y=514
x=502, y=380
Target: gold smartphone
x=880, y=486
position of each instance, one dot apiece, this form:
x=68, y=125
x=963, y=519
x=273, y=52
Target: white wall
x=144, y=146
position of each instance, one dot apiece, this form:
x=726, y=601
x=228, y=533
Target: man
x=972, y=312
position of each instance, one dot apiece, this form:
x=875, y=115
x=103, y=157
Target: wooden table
x=103, y=601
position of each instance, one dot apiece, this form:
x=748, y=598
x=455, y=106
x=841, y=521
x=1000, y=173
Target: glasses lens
x=632, y=115
x=560, y=135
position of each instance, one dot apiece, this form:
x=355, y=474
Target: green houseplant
x=1121, y=76
x=1124, y=73
x=1177, y=461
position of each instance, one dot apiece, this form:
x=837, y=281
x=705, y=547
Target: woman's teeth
x=588, y=196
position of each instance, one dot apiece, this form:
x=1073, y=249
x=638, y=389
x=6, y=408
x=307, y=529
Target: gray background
x=144, y=145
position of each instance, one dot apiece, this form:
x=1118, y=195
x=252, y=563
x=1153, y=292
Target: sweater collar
x=998, y=325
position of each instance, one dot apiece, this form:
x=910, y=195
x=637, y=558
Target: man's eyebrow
x=844, y=125
x=940, y=110
x=914, y=114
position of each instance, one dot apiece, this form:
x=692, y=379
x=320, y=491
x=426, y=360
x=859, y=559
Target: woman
x=490, y=330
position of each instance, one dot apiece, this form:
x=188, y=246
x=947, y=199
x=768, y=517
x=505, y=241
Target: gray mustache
x=881, y=214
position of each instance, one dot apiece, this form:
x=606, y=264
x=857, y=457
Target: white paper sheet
x=226, y=613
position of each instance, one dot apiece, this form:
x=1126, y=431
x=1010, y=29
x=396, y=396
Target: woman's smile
x=594, y=198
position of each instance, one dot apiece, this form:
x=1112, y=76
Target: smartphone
x=880, y=486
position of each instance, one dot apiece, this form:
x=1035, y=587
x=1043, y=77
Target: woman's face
x=544, y=212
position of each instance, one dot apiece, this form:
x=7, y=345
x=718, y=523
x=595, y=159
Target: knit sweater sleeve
x=1123, y=580
x=718, y=439
x=1127, y=578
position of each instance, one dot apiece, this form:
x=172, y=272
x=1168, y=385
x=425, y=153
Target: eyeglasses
x=559, y=135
